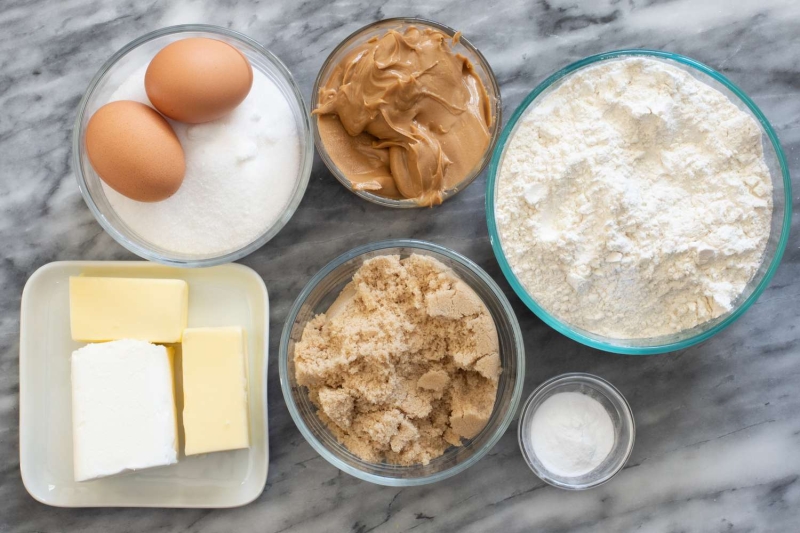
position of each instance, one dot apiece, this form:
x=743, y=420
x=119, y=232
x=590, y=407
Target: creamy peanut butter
x=403, y=116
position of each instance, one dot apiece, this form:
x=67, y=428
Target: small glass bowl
x=316, y=298
x=463, y=47
x=617, y=407
x=115, y=71
x=779, y=226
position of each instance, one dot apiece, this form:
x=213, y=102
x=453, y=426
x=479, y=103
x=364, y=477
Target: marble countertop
x=718, y=440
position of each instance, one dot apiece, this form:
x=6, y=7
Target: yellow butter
x=215, y=411
x=106, y=309
x=171, y=357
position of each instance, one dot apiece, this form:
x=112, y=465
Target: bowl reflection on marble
x=316, y=298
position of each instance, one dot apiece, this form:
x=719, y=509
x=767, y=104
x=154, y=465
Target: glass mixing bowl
x=463, y=47
x=779, y=229
x=115, y=71
x=316, y=298
x=614, y=403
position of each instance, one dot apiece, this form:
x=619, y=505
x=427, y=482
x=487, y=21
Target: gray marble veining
x=718, y=441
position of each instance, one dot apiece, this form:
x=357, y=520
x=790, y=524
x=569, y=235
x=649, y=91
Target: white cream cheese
x=123, y=408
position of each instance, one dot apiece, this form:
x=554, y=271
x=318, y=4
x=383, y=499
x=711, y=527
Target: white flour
x=241, y=171
x=571, y=434
x=634, y=201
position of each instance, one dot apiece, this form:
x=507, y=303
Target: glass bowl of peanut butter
x=406, y=112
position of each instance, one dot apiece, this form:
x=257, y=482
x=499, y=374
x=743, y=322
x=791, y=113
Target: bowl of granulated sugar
x=245, y=172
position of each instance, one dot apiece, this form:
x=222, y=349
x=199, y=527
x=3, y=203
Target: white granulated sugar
x=571, y=434
x=241, y=171
x=634, y=201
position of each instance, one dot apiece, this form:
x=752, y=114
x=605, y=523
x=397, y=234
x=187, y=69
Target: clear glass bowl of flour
x=131, y=59
x=317, y=297
x=618, y=410
x=779, y=224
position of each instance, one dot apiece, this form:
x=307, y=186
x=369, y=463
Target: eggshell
x=198, y=80
x=135, y=151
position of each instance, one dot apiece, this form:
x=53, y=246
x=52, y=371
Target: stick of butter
x=215, y=412
x=107, y=309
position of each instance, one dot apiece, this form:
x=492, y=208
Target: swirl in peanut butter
x=402, y=116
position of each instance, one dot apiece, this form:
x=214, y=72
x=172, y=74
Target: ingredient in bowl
x=123, y=408
x=403, y=116
x=215, y=411
x=241, y=172
x=634, y=201
x=571, y=434
x=106, y=309
x=404, y=363
x=198, y=80
x=135, y=151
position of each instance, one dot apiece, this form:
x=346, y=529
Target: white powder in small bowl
x=241, y=171
x=571, y=434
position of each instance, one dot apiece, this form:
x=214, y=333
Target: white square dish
x=227, y=295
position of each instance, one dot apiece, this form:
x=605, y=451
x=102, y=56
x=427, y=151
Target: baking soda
x=571, y=433
x=241, y=171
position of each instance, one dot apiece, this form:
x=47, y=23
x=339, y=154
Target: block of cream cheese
x=105, y=309
x=215, y=412
x=123, y=408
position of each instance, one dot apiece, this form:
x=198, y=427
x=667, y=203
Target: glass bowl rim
x=563, y=327
x=509, y=315
x=608, y=390
x=496, y=127
x=306, y=156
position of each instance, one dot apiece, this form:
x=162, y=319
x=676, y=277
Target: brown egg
x=198, y=80
x=135, y=151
